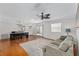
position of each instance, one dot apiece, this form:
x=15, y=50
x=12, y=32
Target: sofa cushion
x=62, y=38
x=58, y=41
x=64, y=46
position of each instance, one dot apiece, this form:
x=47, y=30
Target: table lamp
x=68, y=30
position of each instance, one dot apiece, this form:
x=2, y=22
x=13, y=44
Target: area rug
x=34, y=47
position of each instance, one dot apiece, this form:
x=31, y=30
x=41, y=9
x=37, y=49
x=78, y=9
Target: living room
x=30, y=28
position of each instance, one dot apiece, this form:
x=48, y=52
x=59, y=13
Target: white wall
x=11, y=13
x=66, y=23
x=7, y=25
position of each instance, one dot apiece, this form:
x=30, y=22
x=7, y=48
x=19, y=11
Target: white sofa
x=55, y=51
x=64, y=49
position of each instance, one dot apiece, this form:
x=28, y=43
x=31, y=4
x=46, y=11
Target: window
x=56, y=27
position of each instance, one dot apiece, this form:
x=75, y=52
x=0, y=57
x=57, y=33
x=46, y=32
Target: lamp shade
x=68, y=30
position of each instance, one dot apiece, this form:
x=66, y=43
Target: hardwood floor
x=12, y=47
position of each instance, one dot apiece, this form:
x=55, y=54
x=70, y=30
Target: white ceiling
x=29, y=11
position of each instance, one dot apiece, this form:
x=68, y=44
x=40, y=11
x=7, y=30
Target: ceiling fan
x=45, y=16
